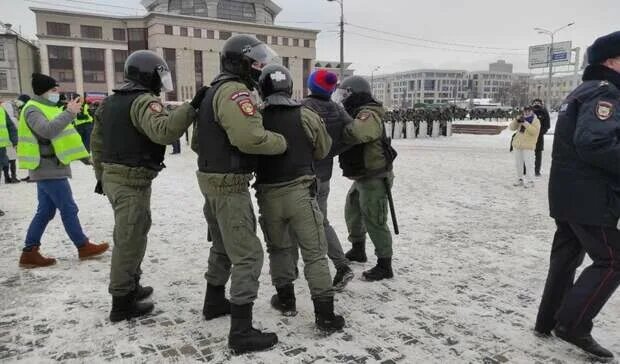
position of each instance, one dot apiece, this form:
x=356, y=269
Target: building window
x=429, y=85
x=210, y=34
x=274, y=39
x=61, y=63
x=285, y=62
x=295, y=42
x=60, y=29
x=119, y=34
x=236, y=10
x=2, y=55
x=170, y=56
x=188, y=7
x=198, y=70
x=4, y=80
x=183, y=32
x=168, y=29
x=92, y=32
x=284, y=41
x=119, y=65
x=261, y=37
x=93, y=65
x=137, y=39
x=225, y=35
x=307, y=43
x=197, y=33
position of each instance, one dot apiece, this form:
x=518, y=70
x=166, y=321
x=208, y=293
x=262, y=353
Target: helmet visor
x=261, y=54
x=340, y=95
x=166, y=79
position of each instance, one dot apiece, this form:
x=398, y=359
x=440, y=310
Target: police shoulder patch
x=604, y=110
x=239, y=94
x=247, y=107
x=156, y=106
x=364, y=115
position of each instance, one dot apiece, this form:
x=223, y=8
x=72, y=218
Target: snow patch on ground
x=470, y=266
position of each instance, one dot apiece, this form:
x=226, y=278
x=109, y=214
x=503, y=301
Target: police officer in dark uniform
x=128, y=143
x=545, y=124
x=584, y=199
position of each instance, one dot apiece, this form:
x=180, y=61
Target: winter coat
x=584, y=181
x=526, y=135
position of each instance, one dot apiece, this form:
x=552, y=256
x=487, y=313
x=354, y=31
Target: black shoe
x=344, y=275
x=284, y=300
x=537, y=174
x=143, y=293
x=126, y=308
x=243, y=338
x=325, y=318
x=12, y=180
x=382, y=270
x=357, y=253
x=216, y=305
x=585, y=342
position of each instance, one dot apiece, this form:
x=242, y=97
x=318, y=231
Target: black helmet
x=353, y=85
x=275, y=79
x=150, y=70
x=245, y=56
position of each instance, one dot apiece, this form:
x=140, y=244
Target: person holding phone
x=48, y=143
x=527, y=127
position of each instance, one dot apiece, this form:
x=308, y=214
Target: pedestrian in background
x=545, y=124
x=8, y=139
x=527, y=127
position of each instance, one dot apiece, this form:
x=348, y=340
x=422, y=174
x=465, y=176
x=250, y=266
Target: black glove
x=99, y=188
x=520, y=119
x=200, y=94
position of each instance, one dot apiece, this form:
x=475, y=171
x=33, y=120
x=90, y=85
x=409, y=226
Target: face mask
x=529, y=118
x=53, y=97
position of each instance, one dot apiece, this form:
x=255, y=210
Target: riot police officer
x=369, y=165
x=128, y=143
x=584, y=200
x=286, y=190
x=228, y=137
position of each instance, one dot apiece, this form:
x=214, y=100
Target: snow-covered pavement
x=470, y=265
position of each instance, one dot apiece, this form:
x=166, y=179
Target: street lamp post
x=372, y=79
x=341, y=2
x=551, y=34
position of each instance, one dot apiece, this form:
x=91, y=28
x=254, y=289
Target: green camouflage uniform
x=366, y=208
x=228, y=205
x=129, y=188
x=291, y=207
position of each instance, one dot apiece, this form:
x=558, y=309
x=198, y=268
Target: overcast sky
x=495, y=29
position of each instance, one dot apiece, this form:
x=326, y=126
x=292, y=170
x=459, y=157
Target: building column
x=78, y=74
x=45, y=60
x=109, y=70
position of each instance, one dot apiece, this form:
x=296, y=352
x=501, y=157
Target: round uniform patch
x=247, y=107
x=604, y=110
x=363, y=116
x=156, y=107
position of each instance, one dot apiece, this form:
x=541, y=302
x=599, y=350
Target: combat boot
x=142, y=292
x=357, y=253
x=216, y=304
x=585, y=342
x=243, y=338
x=344, y=275
x=126, y=307
x=284, y=300
x=32, y=258
x=382, y=270
x=325, y=318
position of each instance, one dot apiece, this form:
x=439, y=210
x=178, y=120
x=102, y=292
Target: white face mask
x=53, y=97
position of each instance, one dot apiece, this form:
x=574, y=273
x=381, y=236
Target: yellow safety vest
x=67, y=146
x=89, y=118
x=5, y=141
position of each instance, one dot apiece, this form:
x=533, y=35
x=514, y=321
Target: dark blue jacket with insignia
x=584, y=185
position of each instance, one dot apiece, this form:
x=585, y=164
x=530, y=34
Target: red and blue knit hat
x=322, y=82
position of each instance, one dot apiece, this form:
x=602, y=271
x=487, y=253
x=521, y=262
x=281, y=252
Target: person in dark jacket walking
x=322, y=84
x=584, y=200
x=545, y=124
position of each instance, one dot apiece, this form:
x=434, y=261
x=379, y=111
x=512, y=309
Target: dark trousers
x=176, y=147
x=574, y=304
x=85, y=130
x=538, y=162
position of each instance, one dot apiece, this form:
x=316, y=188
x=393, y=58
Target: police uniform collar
x=280, y=99
x=598, y=72
x=131, y=86
x=319, y=97
x=225, y=77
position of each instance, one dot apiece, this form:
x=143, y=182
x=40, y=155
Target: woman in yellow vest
x=48, y=143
